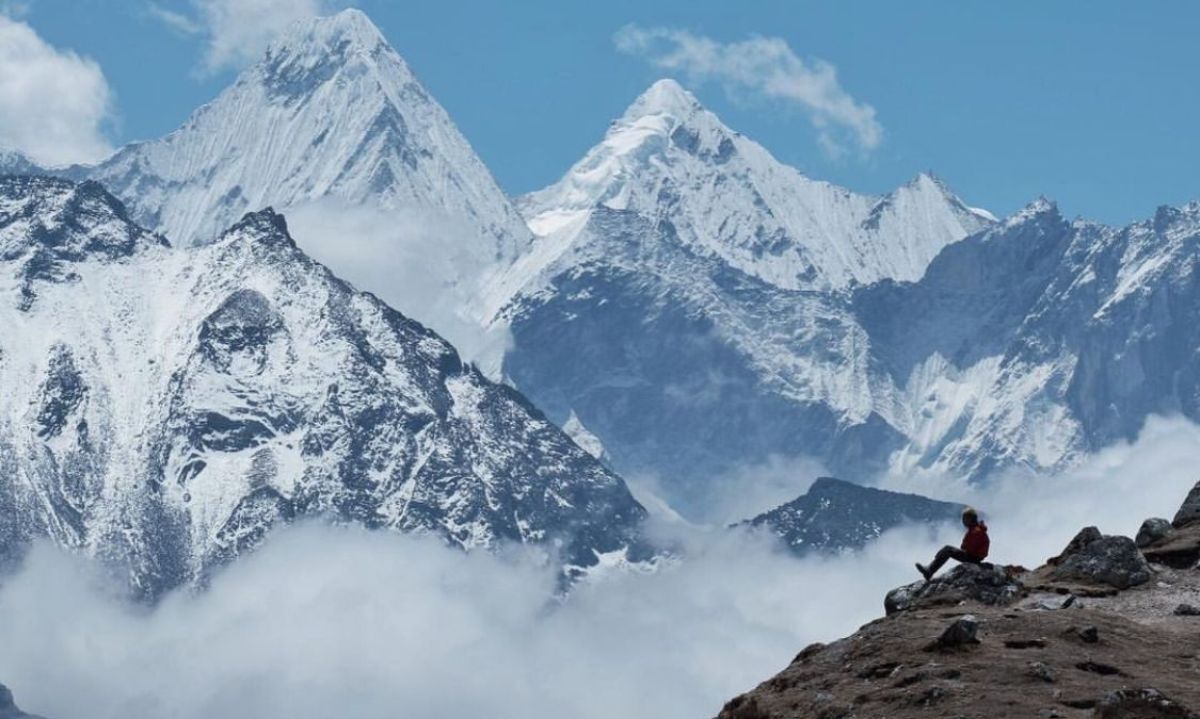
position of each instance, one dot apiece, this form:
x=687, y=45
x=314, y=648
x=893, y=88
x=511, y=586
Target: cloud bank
x=55, y=102
x=764, y=66
x=327, y=621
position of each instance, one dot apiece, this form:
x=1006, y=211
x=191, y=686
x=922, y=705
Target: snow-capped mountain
x=167, y=407
x=330, y=112
x=688, y=300
x=835, y=515
x=1042, y=340
x=671, y=160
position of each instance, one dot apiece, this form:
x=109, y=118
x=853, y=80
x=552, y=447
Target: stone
x=986, y=583
x=1189, y=511
x=1147, y=703
x=1039, y=670
x=1187, y=610
x=1089, y=634
x=961, y=632
x=1102, y=559
x=1152, y=530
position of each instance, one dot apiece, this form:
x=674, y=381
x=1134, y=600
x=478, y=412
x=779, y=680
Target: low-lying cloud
x=764, y=66
x=336, y=621
x=56, y=103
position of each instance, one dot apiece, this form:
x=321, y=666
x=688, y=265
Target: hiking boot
x=924, y=571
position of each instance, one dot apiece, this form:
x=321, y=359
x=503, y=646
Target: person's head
x=970, y=517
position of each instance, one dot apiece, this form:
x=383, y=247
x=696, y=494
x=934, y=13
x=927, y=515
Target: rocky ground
x=1105, y=629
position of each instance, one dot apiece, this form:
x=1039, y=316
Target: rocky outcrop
x=1095, y=558
x=1124, y=655
x=1177, y=545
x=1093, y=638
x=8, y=707
x=985, y=583
x=1189, y=511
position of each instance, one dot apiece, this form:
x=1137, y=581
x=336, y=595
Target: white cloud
x=55, y=103
x=177, y=21
x=766, y=66
x=328, y=621
x=238, y=31
x=428, y=266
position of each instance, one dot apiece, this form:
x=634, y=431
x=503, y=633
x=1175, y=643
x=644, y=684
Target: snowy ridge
x=168, y=407
x=670, y=159
x=331, y=111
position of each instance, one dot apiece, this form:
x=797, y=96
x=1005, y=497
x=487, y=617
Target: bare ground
x=1029, y=662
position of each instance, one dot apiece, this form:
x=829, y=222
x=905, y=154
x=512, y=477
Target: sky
x=1093, y=106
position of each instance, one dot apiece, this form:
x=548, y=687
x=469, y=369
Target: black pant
x=947, y=553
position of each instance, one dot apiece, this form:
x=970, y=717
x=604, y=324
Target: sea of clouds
x=335, y=621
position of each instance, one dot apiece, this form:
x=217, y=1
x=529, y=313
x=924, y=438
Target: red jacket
x=975, y=542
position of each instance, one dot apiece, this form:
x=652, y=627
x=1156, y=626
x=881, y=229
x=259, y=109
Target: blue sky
x=1095, y=105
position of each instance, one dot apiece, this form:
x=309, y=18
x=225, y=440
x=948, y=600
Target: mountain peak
x=665, y=97
x=350, y=25
x=1042, y=206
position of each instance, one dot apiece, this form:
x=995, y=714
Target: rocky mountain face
x=1098, y=631
x=166, y=408
x=699, y=307
x=330, y=112
x=1042, y=340
x=835, y=515
x=688, y=299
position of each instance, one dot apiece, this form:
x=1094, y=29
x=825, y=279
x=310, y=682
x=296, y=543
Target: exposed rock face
x=166, y=408
x=985, y=583
x=836, y=515
x=8, y=707
x=1190, y=510
x=1103, y=559
x=1152, y=530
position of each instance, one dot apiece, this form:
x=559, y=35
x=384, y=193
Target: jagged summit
x=670, y=159
x=313, y=50
x=331, y=112
x=1042, y=207
x=664, y=97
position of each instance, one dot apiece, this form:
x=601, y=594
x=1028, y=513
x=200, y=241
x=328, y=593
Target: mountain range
x=681, y=302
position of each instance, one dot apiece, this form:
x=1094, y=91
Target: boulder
x=1190, y=510
x=1187, y=610
x=985, y=583
x=962, y=632
x=1152, y=530
x=1101, y=559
